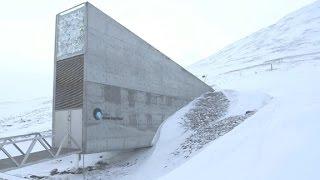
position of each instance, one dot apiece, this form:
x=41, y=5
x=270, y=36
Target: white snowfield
x=281, y=141
x=23, y=117
x=9, y=177
x=274, y=72
x=293, y=39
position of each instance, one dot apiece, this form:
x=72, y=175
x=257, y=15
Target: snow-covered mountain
x=293, y=39
x=281, y=141
x=262, y=124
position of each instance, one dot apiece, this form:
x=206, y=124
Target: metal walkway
x=15, y=157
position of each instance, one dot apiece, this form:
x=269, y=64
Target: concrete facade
x=134, y=84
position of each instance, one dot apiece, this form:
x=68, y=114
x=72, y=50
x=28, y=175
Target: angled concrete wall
x=131, y=81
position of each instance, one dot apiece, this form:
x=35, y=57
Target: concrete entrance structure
x=112, y=90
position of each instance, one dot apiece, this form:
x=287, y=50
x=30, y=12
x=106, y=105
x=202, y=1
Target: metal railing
x=33, y=137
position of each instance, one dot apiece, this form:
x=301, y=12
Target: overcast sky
x=184, y=30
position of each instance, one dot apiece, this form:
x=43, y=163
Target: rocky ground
x=207, y=121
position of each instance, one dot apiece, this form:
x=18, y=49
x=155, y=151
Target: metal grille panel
x=69, y=83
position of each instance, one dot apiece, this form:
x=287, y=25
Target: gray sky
x=186, y=31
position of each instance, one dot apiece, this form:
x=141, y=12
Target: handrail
x=24, y=140
x=17, y=136
x=37, y=137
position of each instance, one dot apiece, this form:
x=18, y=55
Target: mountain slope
x=293, y=39
x=281, y=141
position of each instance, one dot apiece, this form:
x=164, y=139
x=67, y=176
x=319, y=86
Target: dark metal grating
x=69, y=83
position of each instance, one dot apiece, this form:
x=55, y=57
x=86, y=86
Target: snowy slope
x=293, y=39
x=281, y=141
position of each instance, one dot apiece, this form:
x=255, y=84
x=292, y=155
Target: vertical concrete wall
x=128, y=78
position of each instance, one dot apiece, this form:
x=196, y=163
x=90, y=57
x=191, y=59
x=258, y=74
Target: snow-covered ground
x=22, y=117
x=270, y=78
x=165, y=156
x=281, y=141
x=292, y=40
